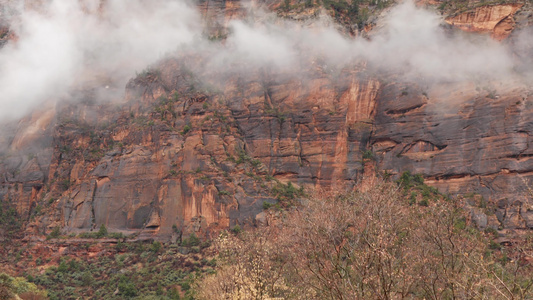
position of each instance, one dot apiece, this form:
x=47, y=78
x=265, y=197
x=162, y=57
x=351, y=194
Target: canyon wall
x=188, y=150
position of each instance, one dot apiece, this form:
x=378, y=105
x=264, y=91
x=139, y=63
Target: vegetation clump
x=138, y=270
x=19, y=287
x=420, y=192
x=287, y=194
x=55, y=233
x=186, y=129
x=101, y=233
x=10, y=221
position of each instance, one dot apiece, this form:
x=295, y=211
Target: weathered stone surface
x=194, y=162
x=178, y=157
x=494, y=19
x=155, y=165
x=474, y=139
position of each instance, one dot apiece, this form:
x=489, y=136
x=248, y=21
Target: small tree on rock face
x=56, y=232
x=102, y=232
x=156, y=246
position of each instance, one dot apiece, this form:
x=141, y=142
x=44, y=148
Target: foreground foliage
x=371, y=245
x=127, y=270
x=19, y=288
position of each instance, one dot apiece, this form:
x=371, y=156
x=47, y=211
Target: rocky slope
x=186, y=151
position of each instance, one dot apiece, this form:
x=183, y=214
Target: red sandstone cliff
x=178, y=153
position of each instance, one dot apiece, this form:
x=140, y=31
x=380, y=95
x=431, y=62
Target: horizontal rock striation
x=463, y=139
x=494, y=19
x=189, y=150
x=181, y=156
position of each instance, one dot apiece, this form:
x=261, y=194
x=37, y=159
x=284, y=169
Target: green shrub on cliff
x=56, y=232
x=102, y=232
x=10, y=221
x=287, y=193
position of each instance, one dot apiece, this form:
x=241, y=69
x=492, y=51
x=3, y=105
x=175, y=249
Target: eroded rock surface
x=178, y=156
x=463, y=139
x=494, y=19
x=190, y=151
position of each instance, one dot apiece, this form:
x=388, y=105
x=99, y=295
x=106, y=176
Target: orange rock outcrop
x=494, y=19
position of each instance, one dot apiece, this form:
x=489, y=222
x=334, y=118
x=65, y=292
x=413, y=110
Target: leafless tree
x=367, y=245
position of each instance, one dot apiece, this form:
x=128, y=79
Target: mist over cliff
x=65, y=45
x=128, y=122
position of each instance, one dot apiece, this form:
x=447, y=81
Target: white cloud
x=66, y=43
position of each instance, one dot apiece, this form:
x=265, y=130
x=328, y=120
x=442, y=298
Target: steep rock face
x=186, y=152
x=179, y=157
x=315, y=132
x=494, y=19
x=25, y=154
x=463, y=139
